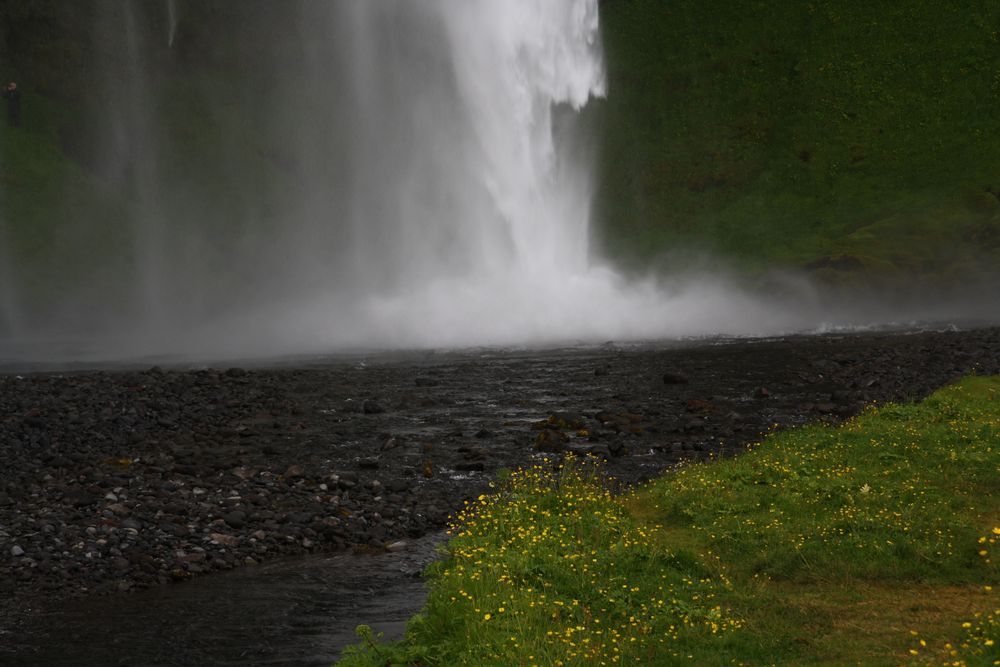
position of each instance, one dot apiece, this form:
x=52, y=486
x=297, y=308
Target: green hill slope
x=861, y=140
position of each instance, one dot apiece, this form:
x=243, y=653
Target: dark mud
x=120, y=484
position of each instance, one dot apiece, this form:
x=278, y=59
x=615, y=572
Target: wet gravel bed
x=118, y=481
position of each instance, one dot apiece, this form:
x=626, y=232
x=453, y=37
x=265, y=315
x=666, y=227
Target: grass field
x=874, y=543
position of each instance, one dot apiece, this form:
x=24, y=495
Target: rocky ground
x=117, y=481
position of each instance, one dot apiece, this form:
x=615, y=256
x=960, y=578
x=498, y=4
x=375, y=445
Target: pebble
x=239, y=467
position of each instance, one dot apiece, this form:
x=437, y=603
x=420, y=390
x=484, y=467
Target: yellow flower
x=487, y=617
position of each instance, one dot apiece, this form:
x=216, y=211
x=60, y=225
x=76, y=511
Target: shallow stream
x=297, y=612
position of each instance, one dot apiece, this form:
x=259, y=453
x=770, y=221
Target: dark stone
x=599, y=451
x=673, y=377
x=294, y=472
x=80, y=497
x=373, y=408
x=235, y=519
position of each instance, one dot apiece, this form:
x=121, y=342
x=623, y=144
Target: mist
x=376, y=175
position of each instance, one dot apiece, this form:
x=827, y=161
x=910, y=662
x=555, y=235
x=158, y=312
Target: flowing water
x=297, y=612
x=380, y=174
x=172, y=19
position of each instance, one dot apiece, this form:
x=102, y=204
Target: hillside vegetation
x=857, y=139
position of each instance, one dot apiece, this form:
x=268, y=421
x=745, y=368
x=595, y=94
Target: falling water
x=171, y=22
x=468, y=209
x=426, y=187
x=10, y=318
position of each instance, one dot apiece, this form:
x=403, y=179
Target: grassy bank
x=872, y=543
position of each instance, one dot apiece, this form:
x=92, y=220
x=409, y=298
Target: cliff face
x=856, y=140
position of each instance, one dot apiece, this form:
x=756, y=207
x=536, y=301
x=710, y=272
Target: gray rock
x=16, y=551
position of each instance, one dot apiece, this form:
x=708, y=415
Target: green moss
x=775, y=133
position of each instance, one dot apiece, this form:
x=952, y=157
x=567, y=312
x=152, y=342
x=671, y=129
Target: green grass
x=875, y=542
x=784, y=133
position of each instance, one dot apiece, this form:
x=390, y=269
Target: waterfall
x=10, y=316
x=359, y=174
x=171, y=22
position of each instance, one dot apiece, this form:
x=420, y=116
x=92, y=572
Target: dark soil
x=118, y=481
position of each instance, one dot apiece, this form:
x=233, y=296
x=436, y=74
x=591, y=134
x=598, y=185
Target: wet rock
x=373, y=408
x=550, y=440
x=699, y=405
x=119, y=509
x=242, y=472
x=368, y=462
x=80, y=497
x=598, y=451
x=294, y=472
x=223, y=539
x=675, y=377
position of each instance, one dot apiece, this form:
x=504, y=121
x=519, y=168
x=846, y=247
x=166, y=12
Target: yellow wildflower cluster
x=980, y=642
x=553, y=570
x=979, y=645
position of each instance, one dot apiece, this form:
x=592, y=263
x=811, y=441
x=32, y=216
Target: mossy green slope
x=849, y=136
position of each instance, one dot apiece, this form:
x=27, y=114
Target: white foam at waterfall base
x=489, y=243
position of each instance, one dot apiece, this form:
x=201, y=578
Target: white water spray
x=171, y=22
x=432, y=195
x=489, y=208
